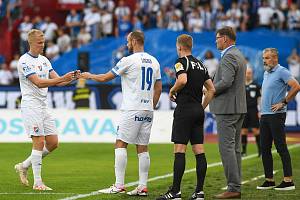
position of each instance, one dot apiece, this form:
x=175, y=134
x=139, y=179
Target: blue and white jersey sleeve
x=122, y=66
x=26, y=69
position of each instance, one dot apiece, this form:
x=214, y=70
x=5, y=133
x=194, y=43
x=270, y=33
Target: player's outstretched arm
x=98, y=77
x=209, y=94
x=43, y=83
x=157, y=92
x=75, y=76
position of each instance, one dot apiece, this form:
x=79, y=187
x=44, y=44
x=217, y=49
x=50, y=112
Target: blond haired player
x=36, y=75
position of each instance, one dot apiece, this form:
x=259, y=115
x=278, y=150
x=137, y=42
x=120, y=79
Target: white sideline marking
x=252, y=179
x=166, y=176
x=30, y=193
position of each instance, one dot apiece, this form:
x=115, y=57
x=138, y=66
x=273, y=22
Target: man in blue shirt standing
x=273, y=115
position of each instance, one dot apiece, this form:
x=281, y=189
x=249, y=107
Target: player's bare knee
x=141, y=148
x=179, y=148
x=120, y=144
x=198, y=148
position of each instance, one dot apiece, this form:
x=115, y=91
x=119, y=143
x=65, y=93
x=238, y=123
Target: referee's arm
x=209, y=94
x=179, y=84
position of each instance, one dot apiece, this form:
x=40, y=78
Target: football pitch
x=78, y=169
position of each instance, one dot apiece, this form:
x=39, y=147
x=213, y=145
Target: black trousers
x=272, y=129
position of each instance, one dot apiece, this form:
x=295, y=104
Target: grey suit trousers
x=229, y=127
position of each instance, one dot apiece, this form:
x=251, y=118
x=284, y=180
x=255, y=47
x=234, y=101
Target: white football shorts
x=135, y=126
x=38, y=122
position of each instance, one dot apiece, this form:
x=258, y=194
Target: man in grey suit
x=229, y=107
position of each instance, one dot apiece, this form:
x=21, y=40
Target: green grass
x=83, y=168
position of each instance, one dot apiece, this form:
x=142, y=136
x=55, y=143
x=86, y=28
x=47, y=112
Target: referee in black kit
x=251, y=121
x=191, y=76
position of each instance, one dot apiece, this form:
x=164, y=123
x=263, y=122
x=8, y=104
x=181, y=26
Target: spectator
x=294, y=64
x=73, y=21
x=52, y=51
x=107, y=5
x=175, y=24
x=124, y=26
x=245, y=16
x=83, y=37
x=49, y=28
x=13, y=66
x=13, y=9
x=137, y=23
x=92, y=21
x=38, y=23
x=293, y=16
x=277, y=20
x=210, y=62
x=3, y=6
x=122, y=10
x=206, y=15
x=63, y=41
x=220, y=18
x=195, y=23
x=265, y=13
x=6, y=77
x=24, y=27
x=106, y=23
x=234, y=16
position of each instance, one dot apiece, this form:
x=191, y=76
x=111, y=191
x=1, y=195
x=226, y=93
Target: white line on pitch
x=252, y=179
x=79, y=196
x=39, y=193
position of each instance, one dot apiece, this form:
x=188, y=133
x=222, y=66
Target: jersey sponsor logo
x=178, y=67
x=141, y=119
x=145, y=101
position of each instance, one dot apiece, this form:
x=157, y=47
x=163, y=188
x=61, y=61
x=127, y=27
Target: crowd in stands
x=102, y=18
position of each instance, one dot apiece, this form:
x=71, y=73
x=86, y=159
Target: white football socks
x=120, y=166
x=27, y=163
x=36, y=160
x=144, y=165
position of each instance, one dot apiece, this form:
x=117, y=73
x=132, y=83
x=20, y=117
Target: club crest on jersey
x=252, y=94
x=36, y=129
x=40, y=68
x=178, y=67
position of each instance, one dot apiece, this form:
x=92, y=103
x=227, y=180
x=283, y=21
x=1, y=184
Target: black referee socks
x=201, y=167
x=178, y=170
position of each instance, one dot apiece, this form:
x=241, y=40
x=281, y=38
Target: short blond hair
x=33, y=33
x=185, y=41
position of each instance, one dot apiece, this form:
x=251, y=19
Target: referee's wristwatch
x=284, y=102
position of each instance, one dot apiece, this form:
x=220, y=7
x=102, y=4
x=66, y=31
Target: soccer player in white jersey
x=141, y=88
x=36, y=75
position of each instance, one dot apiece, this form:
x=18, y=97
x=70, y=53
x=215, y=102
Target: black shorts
x=251, y=119
x=188, y=124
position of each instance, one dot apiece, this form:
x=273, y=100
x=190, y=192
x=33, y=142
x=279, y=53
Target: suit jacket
x=229, y=81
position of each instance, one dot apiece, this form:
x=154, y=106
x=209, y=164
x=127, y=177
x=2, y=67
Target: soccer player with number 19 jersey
x=141, y=88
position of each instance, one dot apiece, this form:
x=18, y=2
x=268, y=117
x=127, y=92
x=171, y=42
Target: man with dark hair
x=188, y=120
x=141, y=88
x=229, y=107
x=273, y=113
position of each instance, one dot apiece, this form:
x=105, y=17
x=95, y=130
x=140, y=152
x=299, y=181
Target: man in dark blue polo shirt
x=273, y=115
